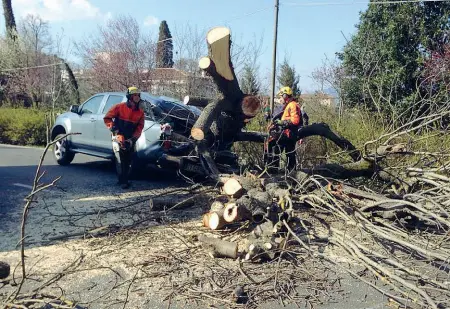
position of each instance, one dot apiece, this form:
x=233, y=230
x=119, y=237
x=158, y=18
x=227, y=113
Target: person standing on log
x=283, y=131
x=126, y=121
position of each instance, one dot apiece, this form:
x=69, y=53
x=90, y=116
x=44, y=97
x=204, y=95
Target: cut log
x=217, y=206
x=206, y=220
x=4, y=270
x=221, y=247
x=261, y=250
x=165, y=202
x=216, y=219
x=233, y=188
x=257, y=209
x=250, y=105
x=235, y=213
x=219, y=39
x=264, y=230
x=194, y=101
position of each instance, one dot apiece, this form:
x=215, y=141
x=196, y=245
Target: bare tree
x=189, y=46
x=330, y=74
x=119, y=55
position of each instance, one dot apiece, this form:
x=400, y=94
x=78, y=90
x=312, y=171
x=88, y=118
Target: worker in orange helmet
x=283, y=130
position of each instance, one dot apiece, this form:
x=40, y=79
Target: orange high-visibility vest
x=292, y=114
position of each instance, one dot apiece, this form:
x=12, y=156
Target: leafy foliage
x=164, y=50
x=289, y=77
x=384, y=61
x=249, y=81
x=22, y=126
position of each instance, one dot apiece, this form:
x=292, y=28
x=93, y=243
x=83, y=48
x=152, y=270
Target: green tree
x=249, y=81
x=383, y=61
x=10, y=22
x=288, y=77
x=164, y=49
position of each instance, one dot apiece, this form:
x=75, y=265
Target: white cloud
x=57, y=10
x=150, y=21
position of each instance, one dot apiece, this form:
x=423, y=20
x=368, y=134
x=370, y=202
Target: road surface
x=85, y=177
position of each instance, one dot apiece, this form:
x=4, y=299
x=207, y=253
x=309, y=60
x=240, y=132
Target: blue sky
x=308, y=29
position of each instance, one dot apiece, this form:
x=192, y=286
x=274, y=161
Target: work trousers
x=123, y=163
x=276, y=148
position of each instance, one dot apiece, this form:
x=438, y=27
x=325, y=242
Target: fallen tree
x=397, y=231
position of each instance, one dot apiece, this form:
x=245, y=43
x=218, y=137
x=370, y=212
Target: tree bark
x=164, y=202
x=322, y=129
x=73, y=82
x=221, y=247
x=4, y=270
x=194, y=101
x=10, y=22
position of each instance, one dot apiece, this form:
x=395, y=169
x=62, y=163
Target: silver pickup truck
x=95, y=138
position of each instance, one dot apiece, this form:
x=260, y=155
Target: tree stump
x=4, y=270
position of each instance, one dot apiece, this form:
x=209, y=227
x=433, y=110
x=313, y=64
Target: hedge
x=22, y=126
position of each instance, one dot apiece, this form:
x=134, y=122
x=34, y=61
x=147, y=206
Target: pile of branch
x=400, y=239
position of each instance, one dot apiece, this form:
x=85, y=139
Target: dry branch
x=166, y=202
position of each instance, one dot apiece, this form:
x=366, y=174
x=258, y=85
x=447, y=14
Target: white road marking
x=26, y=147
x=26, y=186
x=22, y=185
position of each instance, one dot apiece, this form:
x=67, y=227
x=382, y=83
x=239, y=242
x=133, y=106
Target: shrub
x=22, y=126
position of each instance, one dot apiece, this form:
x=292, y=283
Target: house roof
x=166, y=73
x=316, y=95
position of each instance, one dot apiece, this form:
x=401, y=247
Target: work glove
x=281, y=123
x=113, y=129
x=127, y=144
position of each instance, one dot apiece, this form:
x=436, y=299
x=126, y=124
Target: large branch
x=322, y=129
x=209, y=114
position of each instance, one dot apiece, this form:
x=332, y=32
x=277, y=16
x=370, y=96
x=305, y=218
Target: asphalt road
x=86, y=176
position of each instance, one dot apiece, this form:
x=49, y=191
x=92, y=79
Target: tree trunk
x=10, y=22
x=73, y=82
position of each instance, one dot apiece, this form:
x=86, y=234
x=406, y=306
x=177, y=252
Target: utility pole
x=274, y=60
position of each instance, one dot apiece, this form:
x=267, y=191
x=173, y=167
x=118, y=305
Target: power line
x=34, y=67
x=266, y=8
x=359, y=2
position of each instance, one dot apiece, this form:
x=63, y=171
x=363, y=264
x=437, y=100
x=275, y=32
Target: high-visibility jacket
x=292, y=114
x=128, y=121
